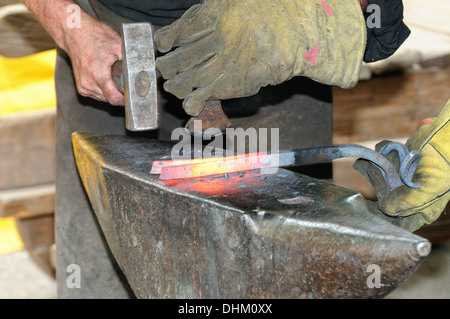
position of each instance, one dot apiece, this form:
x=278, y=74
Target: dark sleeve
x=386, y=31
x=158, y=12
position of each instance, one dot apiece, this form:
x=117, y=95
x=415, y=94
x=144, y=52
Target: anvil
x=239, y=235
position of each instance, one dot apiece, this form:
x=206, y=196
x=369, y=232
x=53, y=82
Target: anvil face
x=241, y=235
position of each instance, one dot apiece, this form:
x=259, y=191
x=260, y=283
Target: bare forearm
x=55, y=16
x=93, y=46
x=52, y=15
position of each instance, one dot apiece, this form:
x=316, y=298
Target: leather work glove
x=432, y=140
x=232, y=48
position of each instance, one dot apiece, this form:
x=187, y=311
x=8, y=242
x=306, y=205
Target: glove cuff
x=333, y=44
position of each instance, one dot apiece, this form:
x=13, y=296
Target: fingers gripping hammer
x=135, y=77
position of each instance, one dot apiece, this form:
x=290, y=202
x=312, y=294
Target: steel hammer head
x=135, y=76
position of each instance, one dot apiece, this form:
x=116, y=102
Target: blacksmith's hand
x=432, y=140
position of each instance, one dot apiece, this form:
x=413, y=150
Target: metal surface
x=243, y=235
x=135, y=76
x=306, y=156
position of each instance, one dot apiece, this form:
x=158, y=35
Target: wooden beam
x=389, y=107
x=27, y=149
x=32, y=201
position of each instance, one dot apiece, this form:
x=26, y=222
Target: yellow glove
x=232, y=48
x=432, y=140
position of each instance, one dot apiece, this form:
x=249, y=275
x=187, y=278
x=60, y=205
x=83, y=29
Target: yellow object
x=9, y=237
x=432, y=139
x=423, y=205
x=27, y=83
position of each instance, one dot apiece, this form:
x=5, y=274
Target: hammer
x=135, y=77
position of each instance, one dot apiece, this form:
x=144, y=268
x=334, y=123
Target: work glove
x=432, y=140
x=232, y=48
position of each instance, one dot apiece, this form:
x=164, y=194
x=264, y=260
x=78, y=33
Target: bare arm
x=92, y=46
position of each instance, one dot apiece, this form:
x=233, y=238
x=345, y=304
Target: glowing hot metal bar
x=158, y=166
x=181, y=169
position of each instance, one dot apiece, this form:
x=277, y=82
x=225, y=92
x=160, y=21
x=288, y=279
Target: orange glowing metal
x=178, y=169
x=159, y=165
x=217, y=187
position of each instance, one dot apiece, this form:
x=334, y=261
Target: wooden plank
x=21, y=34
x=27, y=149
x=38, y=236
x=390, y=106
x=33, y=210
x=27, y=201
x=439, y=231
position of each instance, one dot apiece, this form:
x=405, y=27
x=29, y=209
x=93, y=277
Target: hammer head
x=139, y=77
